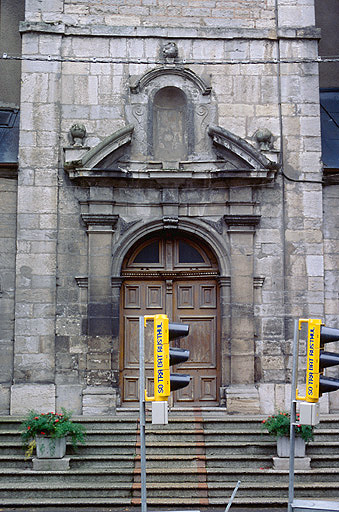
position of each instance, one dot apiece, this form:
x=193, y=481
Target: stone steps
x=193, y=462
x=159, y=490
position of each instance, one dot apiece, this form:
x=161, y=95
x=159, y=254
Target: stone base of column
x=51, y=464
x=99, y=400
x=242, y=399
x=283, y=463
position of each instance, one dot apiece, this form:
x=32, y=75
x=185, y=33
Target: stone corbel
x=100, y=222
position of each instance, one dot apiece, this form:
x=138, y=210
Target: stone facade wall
x=8, y=191
x=240, y=13
x=87, y=56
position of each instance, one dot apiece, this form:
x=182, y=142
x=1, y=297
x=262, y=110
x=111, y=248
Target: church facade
x=169, y=162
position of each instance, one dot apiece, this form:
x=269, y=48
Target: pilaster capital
x=241, y=223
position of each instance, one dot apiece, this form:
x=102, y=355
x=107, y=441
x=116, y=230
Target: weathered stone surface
x=37, y=397
x=99, y=400
x=59, y=259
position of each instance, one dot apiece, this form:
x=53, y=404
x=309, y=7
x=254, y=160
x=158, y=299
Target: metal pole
x=233, y=496
x=293, y=413
x=142, y=414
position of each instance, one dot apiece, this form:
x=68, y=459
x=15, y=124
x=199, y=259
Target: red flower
x=56, y=421
x=43, y=433
x=36, y=418
x=29, y=428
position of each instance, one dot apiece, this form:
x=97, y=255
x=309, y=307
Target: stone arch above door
x=177, y=275
x=187, y=227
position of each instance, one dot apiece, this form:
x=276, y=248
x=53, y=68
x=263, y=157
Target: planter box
x=283, y=447
x=50, y=448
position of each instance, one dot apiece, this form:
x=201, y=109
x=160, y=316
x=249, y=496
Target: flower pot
x=50, y=447
x=283, y=447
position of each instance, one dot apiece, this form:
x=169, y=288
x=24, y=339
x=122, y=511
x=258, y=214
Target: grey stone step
x=214, y=448
x=175, y=491
x=193, y=462
x=67, y=490
x=166, y=503
x=81, y=476
x=325, y=460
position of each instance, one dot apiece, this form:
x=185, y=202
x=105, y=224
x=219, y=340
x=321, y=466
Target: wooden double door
x=188, y=293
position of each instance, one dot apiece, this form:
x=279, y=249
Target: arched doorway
x=177, y=276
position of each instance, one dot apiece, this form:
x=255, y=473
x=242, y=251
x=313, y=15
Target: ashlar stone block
x=37, y=397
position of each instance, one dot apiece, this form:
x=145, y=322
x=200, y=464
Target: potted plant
x=278, y=425
x=48, y=431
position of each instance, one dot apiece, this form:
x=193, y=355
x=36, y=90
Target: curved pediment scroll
x=140, y=83
x=228, y=143
x=104, y=155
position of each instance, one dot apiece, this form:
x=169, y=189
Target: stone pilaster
x=37, y=223
x=100, y=232
x=242, y=396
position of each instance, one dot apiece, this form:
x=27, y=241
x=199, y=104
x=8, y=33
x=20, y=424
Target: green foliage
x=52, y=425
x=278, y=425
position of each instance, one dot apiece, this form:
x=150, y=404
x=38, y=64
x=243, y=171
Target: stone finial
x=77, y=134
x=264, y=139
x=170, y=51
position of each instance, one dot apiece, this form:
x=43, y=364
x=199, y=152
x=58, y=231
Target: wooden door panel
x=185, y=297
x=132, y=296
x=131, y=331
x=195, y=304
x=207, y=387
x=200, y=342
x=207, y=296
x=154, y=296
x=130, y=388
x=139, y=299
x=192, y=301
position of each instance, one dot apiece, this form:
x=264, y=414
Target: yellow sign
x=161, y=358
x=313, y=360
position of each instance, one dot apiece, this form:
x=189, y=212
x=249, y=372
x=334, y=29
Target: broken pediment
x=229, y=158
x=104, y=156
x=234, y=149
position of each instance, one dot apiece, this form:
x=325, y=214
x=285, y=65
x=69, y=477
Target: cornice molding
x=242, y=220
x=99, y=219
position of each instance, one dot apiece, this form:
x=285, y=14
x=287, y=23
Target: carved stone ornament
x=76, y=133
x=170, y=50
x=264, y=139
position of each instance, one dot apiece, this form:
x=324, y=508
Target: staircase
x=194, y=462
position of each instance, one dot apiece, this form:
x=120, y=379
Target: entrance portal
x=177, y=277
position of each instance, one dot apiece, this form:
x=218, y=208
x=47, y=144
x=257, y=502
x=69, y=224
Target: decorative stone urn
x=50, y=447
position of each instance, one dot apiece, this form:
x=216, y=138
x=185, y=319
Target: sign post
x=142, y=414
x=316, y=384
x=293, y=413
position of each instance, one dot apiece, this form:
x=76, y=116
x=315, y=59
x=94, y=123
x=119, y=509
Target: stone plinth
x=283, y=463
x=51, y=464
